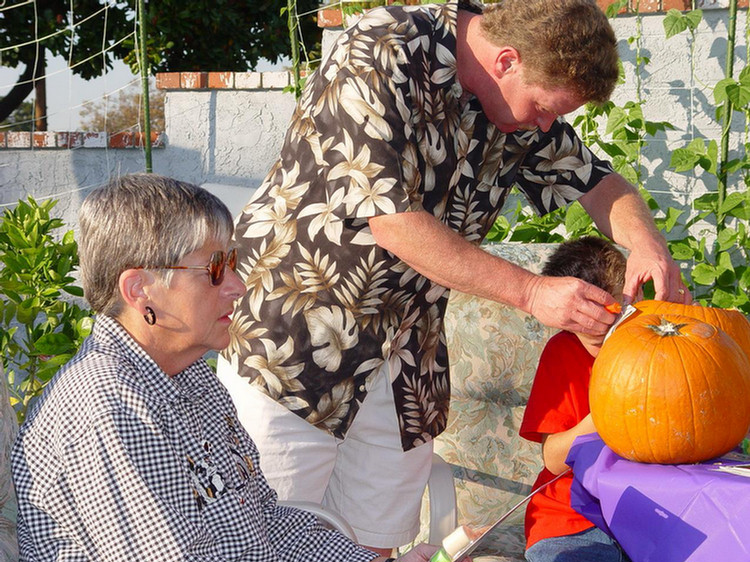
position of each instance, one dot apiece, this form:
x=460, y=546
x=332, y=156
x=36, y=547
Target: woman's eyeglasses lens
x=217, y=265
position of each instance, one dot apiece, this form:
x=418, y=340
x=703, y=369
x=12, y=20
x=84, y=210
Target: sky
x=66, y=92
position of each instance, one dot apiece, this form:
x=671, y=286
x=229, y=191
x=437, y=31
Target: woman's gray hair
x=143, y=220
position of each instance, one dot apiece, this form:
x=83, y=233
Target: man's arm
x=442, y=255
x=620, y=212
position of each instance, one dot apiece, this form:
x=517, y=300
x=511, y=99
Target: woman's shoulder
x=86, y=389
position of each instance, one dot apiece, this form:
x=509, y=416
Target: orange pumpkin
x=670, y=389
x=731, y=321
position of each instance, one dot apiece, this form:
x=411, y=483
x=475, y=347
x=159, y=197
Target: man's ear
x=506, y=61
x=133, y=284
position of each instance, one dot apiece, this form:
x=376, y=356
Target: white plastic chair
x=441, y=491
x=326, y=517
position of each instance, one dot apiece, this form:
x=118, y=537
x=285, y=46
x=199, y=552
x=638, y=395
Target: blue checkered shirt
x=119, y=461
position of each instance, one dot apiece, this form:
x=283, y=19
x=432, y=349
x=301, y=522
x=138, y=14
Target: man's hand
x=662, y=270
x=620, y=212
x=570, y=304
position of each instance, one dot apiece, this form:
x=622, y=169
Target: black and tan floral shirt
x=380, y=129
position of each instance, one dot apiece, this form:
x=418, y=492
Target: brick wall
x=222, y=80
x=164, y=81
x=73, y=140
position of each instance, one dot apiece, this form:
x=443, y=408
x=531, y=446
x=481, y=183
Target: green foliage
x=41, y=328
x=615, y=7
x=204, y=35
x=695, y=154
x=21, y=119
x=736, y=91
x=351, y=8
x=718, y=271
x=676, y=22
x=25, y=23
x=519, y=224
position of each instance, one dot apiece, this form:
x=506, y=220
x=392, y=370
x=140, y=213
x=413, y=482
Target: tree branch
x=34, y=70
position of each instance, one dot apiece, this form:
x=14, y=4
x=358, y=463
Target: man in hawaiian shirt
x=398, y=159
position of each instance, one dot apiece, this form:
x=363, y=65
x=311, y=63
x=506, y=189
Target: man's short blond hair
x=565, y=44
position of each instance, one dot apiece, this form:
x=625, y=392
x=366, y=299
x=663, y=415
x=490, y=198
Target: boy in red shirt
x=558, y=411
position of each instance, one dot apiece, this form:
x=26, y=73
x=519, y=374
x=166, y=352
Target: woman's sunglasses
x=216, y=267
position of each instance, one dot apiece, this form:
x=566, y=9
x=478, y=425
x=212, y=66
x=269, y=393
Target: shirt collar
x=456, y=90
x=189, y=384
x=471, y=5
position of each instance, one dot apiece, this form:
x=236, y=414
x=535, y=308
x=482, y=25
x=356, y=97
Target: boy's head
x=594, y=260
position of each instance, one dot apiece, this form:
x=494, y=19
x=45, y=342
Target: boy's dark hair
x=595, y=260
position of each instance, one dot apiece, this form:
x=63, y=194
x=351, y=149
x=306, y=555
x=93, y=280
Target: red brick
x=75, y=140
x=43, y=139
x=742, y=3
x=16, y=139
x=69, y=140
x=221, y=80
x=121, y=140
x=134, y=140
x=94, y=140
x=247, y=80
x=168, y=80
x=330, y=17
x=645, y=5
x=2, y=140
x=194, y=80
x=681, y=5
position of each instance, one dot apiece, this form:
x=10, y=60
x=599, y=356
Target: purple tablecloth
x=662, y=513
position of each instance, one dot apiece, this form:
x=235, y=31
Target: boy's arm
x=555, y=446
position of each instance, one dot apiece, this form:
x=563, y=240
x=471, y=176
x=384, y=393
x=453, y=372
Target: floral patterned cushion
x=8, y=505
x=494, y=350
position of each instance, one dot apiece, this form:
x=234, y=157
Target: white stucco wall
x=230, y=137
x=674, y=93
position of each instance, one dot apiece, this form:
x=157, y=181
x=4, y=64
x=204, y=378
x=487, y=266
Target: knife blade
x=626, y=311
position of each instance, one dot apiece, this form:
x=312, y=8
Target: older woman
x=134, y=452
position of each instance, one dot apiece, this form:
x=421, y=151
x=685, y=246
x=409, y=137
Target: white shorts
x=366, y=478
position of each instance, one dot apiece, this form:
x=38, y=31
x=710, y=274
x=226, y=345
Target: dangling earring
x=150, y=316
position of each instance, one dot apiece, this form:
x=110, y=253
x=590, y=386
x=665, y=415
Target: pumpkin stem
x=667, y=328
